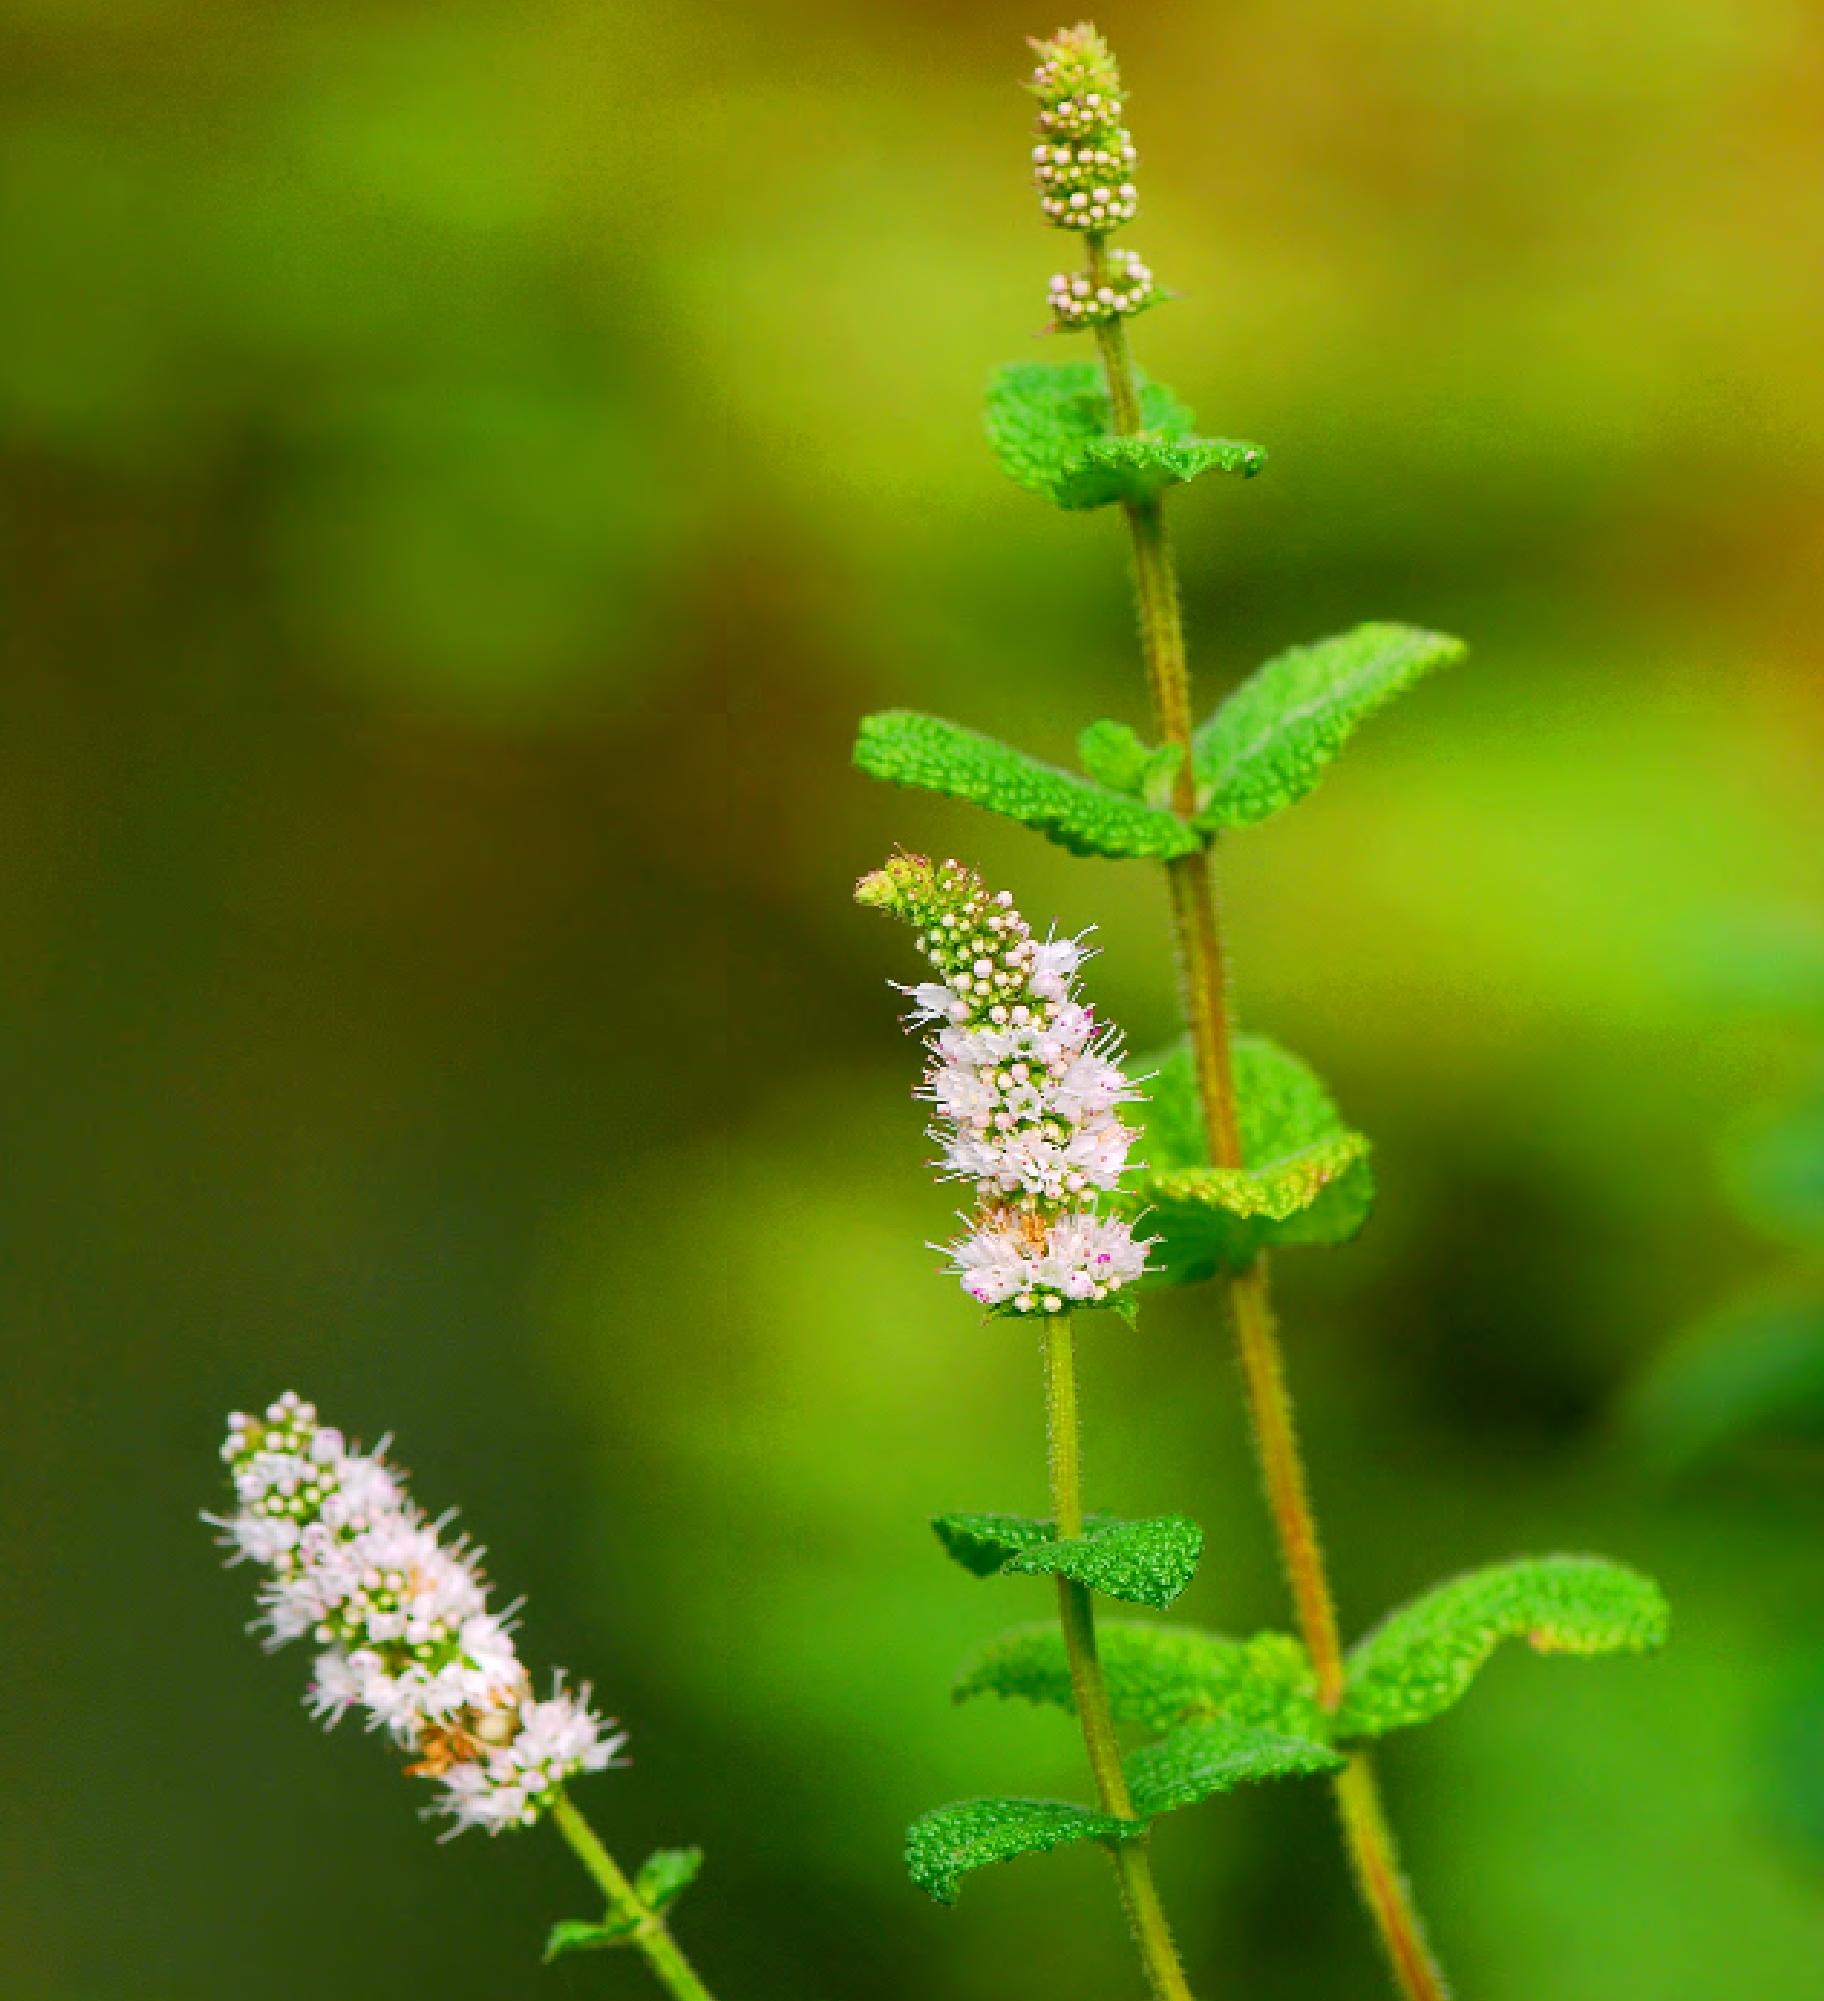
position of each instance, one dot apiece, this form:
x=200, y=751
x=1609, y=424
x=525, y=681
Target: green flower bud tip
x=922, y=892
x=1126, y=288
x=1077, y=71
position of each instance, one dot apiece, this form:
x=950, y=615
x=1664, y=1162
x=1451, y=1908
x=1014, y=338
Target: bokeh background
x=466, y=468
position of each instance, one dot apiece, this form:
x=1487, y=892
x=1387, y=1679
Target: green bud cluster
x=920, y=891
x=977, y=942
x=1084, y=161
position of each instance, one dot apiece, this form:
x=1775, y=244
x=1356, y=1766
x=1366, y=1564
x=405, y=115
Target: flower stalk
x=1077, y=1620
x=638, y=1922
x=1027, y=1088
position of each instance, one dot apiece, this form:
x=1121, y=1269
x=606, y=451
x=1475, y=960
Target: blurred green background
x=466, y=467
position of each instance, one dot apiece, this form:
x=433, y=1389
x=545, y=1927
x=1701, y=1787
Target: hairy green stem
x=650, y=1933
x=1076, y=1615
x=1384, y=1889
x=1196, y=923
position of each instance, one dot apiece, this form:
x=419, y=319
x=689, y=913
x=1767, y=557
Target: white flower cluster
x=402, y=1621
x=1084, y=162
x=1126, y=288
x=1027, y=1088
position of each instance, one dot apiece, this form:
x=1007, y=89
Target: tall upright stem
x=1077, y=1617
x=649, y=1930
x=1197, y=926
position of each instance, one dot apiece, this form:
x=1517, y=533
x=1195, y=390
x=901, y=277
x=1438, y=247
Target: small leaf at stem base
x=586, y=1935
x=666, y=1874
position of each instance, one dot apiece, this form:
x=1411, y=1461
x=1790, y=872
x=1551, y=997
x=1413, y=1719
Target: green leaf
x=1422, y=1659
x=1052, y=429
x=906, y=748
x=666, y=1874
x=1143, y=1563
x=943, y=1846
x=982, y=1544
x=1267, y=746
x=1307, y=1181
x=585, y=1935
x=1157, y=1675
x=1200, y=1759
x=1116, y=755
x=1146, y=1562
x=1752, y=1371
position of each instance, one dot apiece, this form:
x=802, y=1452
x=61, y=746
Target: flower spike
x=401, y=1620
x=1084, y=159
x=1027, y=1088
x=1083, y=165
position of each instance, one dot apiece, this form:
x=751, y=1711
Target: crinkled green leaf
x=1308, y=1178
x=1157, y=1675
x=1773, y=1171
x=1753, y=1371
x=1275, y=1193
x=586, y=1935
x=666, y=1874
x=1420, y=1661
x=943, y=1846
x=906, y=748
x=1197, y=1760
x=1052, y=429
x=982, y=1543
x=1267, y=746
x=1111, y=469
x=1145, y=1562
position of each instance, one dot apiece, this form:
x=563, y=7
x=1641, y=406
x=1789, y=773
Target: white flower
x=1054, y=966
x=335, y=1686
x=401, y=1619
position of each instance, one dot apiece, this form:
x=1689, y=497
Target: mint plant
x=1244, y=1150
x=405, y=1637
